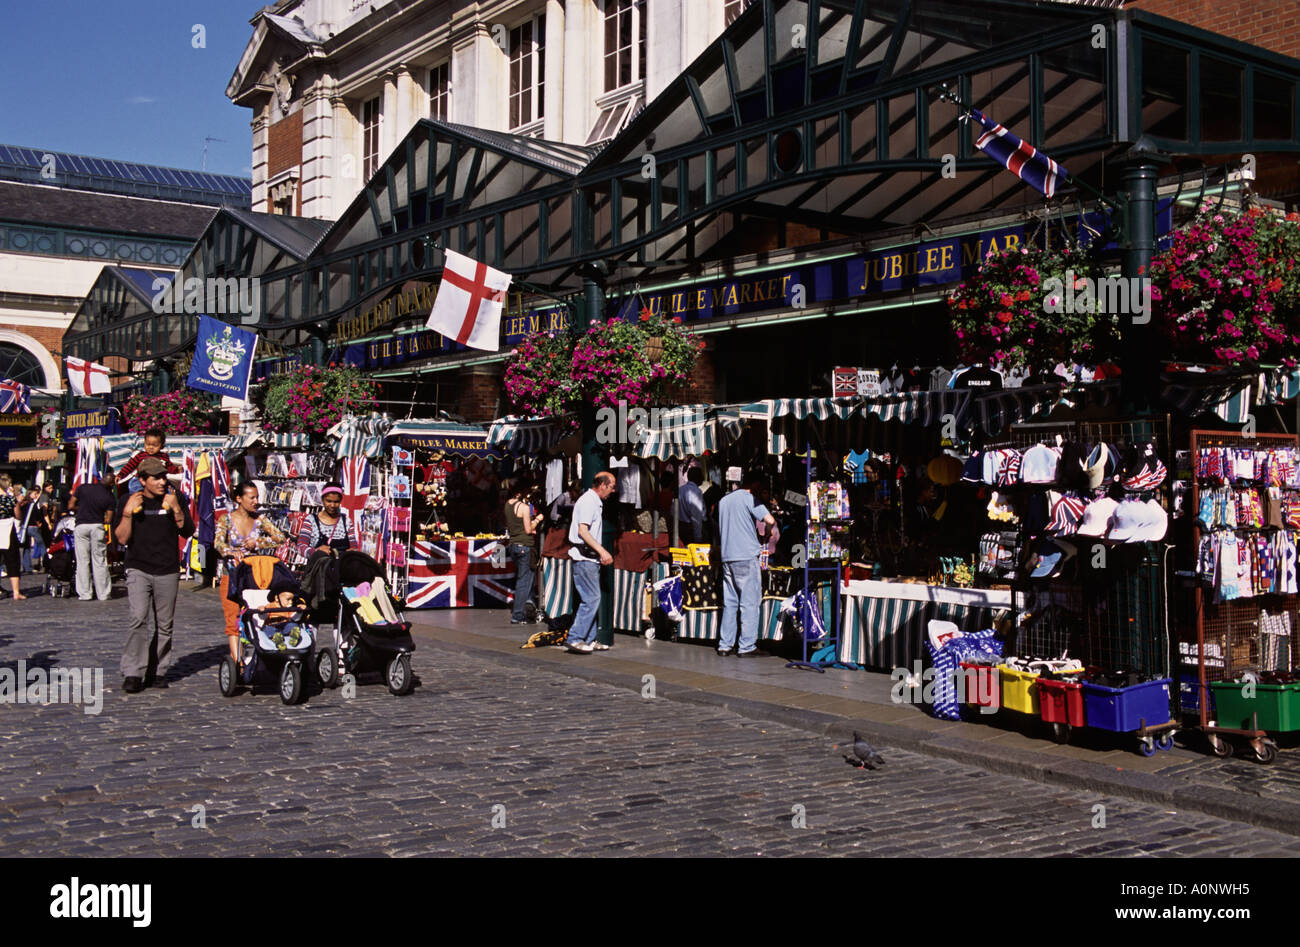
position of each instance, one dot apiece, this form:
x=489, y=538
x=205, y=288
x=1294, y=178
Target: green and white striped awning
x=528, y=435
x=790, y=420
x=687, y=431
x=360, y=437
x=119, y=448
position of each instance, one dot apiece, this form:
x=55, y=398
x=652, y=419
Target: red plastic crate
x=1061, y=702
x=983, y=688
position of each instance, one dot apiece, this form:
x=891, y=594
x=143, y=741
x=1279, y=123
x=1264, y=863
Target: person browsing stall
x=588, y=556
x=329, y=530
x=150, y=523
x=242, y=533
x=92, y=505
x=521, y=524
x=738, y=519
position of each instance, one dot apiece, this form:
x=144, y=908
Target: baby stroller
x=273, y=641
x=370, y=634
x=61, y=559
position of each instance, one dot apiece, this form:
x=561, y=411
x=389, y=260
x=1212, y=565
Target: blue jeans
x=586, y=576
x=741, y=586
x=520, y=556
x=35, y=553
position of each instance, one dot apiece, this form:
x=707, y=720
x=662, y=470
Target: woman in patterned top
x=242, y=533
x=11, y=504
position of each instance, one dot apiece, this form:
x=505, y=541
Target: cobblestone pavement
x=579, y=768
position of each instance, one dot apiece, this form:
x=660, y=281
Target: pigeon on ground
x=864, y=754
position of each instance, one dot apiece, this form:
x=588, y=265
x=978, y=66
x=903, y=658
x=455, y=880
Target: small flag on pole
x=14, y=397
x=469, y=302
x=87, y=378
x=1020, y=158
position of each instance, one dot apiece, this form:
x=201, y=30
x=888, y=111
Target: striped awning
x=849, y=419
x=528, y=435
x=30, y=455
x=281, y=440
x=119, y=448
x=1229, y=397
x=360, y=437
x=994, y=410
x=452, y=437
x=688, y=431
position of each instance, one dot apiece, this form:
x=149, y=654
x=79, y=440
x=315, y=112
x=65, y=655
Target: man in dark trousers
x=150, y=524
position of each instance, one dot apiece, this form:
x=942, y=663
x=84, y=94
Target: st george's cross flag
x=1019, y=157
x=469, y=301
x=87, y=378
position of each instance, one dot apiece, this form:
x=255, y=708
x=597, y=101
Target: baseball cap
x=973, y=470
x=1096, y=517
x=1052, y=557
x=1066, y=513
x=151, y=467
x=1155, y=522
x=1130, y=518
x=1038, y=465
x=1101, y=466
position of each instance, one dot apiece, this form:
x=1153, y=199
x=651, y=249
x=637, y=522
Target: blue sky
x=122, y=79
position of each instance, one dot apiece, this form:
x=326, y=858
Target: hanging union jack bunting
x=14, y=397
x=469, y=302
x=458, y=574
x=1020, y=158
x=87, y=378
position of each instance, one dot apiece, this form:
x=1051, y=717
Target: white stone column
x=388, y=123
x=481, y=95
x=318, y=149
x=584, y=79
x=347, y=159
x=408, y=108
x=261, y=202
x=553, y=95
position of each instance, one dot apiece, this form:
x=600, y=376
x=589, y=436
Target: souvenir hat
x=973, y=470
x=1129, y=521
x=1147, y=474
x=1067, y=513
x=1038, y=465
x=1096, y=517
x=1155, y=522
x=1101, y=466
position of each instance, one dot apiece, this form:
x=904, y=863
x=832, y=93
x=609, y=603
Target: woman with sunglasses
x=242, y=533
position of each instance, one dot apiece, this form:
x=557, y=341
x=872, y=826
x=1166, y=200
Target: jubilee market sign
x=898, y=269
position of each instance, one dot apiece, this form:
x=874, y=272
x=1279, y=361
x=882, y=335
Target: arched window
x=20, y=365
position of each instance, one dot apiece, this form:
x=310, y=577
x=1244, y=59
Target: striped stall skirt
x=887, y=633
x=558, y=594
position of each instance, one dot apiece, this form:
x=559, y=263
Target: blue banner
x=100, y=423
x=223, y=359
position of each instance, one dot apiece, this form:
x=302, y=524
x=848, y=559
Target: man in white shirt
x=588, y=556
x=690, y=506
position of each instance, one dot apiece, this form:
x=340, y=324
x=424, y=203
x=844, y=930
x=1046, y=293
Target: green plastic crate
x=1276, y=706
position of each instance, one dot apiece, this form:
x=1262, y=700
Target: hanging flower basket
x=1228, y=288
x=183, y=411
x=1031, y=308
x=312, y=399
x=637, y=363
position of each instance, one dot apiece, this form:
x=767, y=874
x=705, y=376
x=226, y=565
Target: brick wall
x=284, y=144
x=701, y=387
x=1272, y=24
x=479, y=393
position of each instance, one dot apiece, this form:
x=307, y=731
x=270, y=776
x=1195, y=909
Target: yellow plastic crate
x=700, y=553
x=1019, y=690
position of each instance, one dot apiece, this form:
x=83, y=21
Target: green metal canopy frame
x=818, y=113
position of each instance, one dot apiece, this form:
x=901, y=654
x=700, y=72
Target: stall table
x=884, y=624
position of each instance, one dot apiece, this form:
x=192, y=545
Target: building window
x=527, y=72
x=440, y=92
x=624, y=43
x=370, y=113
x=732, y=9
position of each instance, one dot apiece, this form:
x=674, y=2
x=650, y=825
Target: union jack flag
x=355, y=480
x=14, y=396
x=458, y=574
x=1019, y=157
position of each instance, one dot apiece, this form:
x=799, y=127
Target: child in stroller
x=370, y=634
x=61, y=558
x=274, y=636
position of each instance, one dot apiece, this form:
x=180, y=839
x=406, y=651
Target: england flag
x=87, y=378
x=468, y=306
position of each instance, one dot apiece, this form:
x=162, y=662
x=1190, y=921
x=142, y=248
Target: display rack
x=812, y=515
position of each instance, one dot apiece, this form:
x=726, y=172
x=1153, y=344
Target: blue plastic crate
x=1123, y=709
x=1189, y=694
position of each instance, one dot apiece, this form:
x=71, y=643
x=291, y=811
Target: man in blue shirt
x=738, y=516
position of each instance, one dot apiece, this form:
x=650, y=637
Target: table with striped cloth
x=884, y=623
x=558, y=594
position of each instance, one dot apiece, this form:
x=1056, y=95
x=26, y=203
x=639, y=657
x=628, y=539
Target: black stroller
x=264, y=651
x=371, y=634
x=61, y=560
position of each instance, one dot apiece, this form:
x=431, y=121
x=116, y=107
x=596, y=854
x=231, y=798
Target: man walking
x=150, y=524
x=738, y=516
x=588, y=556
x=92, y=505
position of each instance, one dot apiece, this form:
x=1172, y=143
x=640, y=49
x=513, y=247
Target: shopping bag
x=668, y=596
